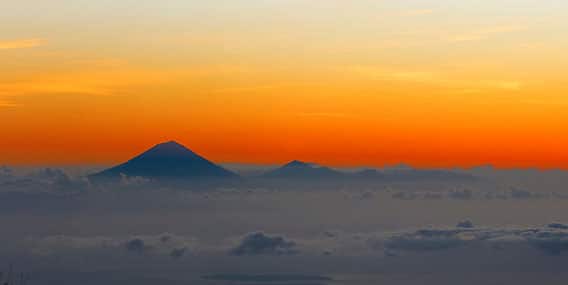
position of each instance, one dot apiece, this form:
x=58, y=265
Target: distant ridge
x=303, y=170
x=299, y=170
x=169, y=160
x=173, y=161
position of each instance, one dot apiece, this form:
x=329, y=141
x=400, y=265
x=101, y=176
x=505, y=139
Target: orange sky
x=428, y=83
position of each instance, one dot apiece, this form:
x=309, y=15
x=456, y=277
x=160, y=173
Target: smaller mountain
x=303, y=170
x=169, y=160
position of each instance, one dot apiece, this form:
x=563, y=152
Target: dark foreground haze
x=404, y=226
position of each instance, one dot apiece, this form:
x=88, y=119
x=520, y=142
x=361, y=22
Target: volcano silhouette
x=169, y=160
x=303, y=170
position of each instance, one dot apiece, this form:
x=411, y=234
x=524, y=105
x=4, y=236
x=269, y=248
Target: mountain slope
x=167, y=160
x=302, y=170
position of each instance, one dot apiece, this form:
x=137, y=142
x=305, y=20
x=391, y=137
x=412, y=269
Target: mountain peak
x=170, y=144
x=298, y=163
x=171, y=149
x=303, y=170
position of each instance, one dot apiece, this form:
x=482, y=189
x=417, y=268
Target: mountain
x=169, y=160
x=303, y=170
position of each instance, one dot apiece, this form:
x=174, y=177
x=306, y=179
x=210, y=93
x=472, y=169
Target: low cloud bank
x=259, y=243
x=277, y=278
x=165, y=244
x=468, y=194
x=41, y=180
x=552, y=239
x=548, y=240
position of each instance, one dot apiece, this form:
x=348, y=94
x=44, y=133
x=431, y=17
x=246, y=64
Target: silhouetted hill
x=302, y=170
x=169, y=160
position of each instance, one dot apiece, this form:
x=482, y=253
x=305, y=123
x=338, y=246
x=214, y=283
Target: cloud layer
x=259, y=243
x=20, y=44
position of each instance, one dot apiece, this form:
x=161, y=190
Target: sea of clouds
x=60, y=228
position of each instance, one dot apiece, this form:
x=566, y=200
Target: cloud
x=464, y=194
x=403, y=195
x=523, y=194
x=106, y=79
x=261, y=244
x=425, y=240
x=466, y=224
x=259, y=88
x=126, y=180
x=165, y=238
x=266, y=278
x=42, y=180
x=52, y=176
x=323, y=115
x=177, y=253
x=558, y=226
x=477, y=195
x=99, y=82
x=486, y=33
x=433, y=196
x=419, y=12
x=549, y=240
x=20, y=44
x=456, y=194
x=135, y=245
x=150, y=245
x=58, y=244
x=436, y=78
x=6, y=173
x=7, y=104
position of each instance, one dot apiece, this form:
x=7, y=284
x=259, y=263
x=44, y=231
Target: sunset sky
x=431, y=83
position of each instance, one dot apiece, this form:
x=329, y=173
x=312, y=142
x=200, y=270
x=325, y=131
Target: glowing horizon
x=430, y=83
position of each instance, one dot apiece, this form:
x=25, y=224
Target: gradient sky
x=429, y=83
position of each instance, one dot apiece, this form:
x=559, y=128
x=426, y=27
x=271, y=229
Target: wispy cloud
x=419, y=12
x=379, y=73
x=93, y=81
x=7, y=104
x=255, y=88
x=486, y=33
x=20, y=44
x=323, y=115
x=97, y=78
x=437, y=79
x=78, y=84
